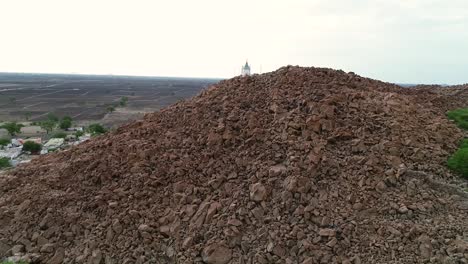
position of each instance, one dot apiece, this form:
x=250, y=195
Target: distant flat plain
x=31, y=97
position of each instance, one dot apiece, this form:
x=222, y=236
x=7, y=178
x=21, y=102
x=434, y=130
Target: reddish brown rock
x=258, y=192
x=58, y=256
x=216, y=253
x=327, y=232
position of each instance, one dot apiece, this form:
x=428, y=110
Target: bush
x=32, y=147
x=460, y=116
x=4, y=163
x=123, y=101
x=110, y=108
x=458, y=162
x=60, y=135
x=79, y=134
x=4, y=141
x=52, y=118
x=65, y=123
x=96, y=129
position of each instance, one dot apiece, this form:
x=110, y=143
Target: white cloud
x=405, y=41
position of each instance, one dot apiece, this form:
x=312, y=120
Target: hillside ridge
x=300, y=165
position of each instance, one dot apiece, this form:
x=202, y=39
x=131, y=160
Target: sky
x=402, y=41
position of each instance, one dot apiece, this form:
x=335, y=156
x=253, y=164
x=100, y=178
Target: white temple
x=245, y=69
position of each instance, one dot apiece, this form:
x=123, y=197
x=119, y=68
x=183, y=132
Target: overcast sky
x=410, y=41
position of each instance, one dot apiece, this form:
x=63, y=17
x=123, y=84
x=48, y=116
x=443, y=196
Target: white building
x=245, y=69
x=11, y=153
x=54, y=143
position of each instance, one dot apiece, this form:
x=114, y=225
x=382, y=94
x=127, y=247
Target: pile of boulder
x=301, y=165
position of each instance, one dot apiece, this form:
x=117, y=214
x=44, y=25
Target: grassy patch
x=458, y=162
x=464, y=143
x=4, y=141
x=5, y=163
x=32, y=147
x=460, y=116
x=60, y=135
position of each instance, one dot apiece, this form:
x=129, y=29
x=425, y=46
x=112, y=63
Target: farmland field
x=86, y=98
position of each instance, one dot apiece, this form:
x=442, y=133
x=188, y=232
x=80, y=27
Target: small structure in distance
x=245, y=69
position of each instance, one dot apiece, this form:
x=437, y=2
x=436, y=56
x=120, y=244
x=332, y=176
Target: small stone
x=96, y=257
x=187, y=242
x=170, y=252
x=117, y=227
x=41, y=241
x=3, y=248
x=327, y=232
x=425, y=246
x=47, y=248
x=21, y=208
x=279, y=251
x=144, y=228
x=345, y=261
x=80, y=259
x=234, y=222
x=216, y=253
x=357, y=206
x=277, y=170
x=258, y=192
x=381, y=186
x=258, y=212
x=270, y=246
x=165, y=230
x=332, y=243
x=17, y=249
x=393, y=231
x=300, y=235
x=357, y=260
x=403, y=210
x=58, y=257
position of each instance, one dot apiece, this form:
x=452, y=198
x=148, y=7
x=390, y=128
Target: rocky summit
x=300, y=165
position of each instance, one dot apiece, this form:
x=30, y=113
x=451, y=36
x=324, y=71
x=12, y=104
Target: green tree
x=123, y=101
x=65, y=123
x=52, y=117
x=47, y=125
x=96, y=129
x=110, y=108
x=13, y=128
x=32, y=147
x=27, y=116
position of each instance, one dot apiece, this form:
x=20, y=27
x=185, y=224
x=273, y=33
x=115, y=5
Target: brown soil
x=301, y=165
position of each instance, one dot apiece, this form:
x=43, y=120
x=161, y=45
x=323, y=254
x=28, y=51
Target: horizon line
x=206, y=78
x=114, y=75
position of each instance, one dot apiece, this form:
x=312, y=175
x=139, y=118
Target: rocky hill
x=301, y=165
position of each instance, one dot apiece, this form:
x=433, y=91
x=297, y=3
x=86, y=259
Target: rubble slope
x=301, y=165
